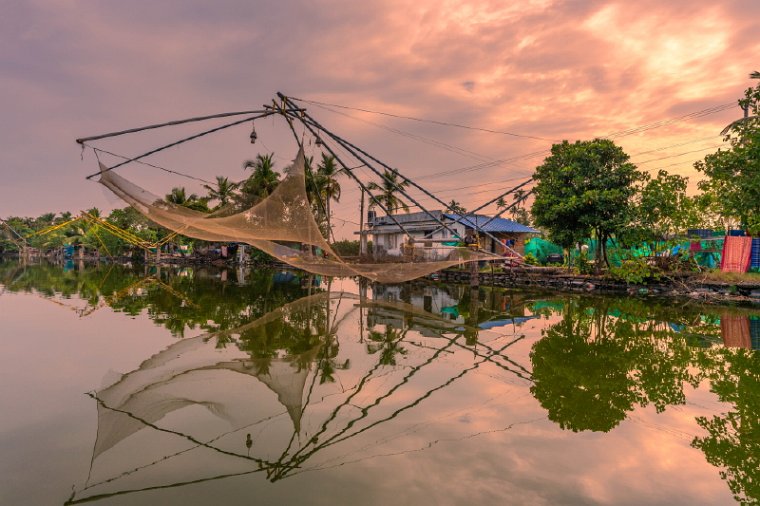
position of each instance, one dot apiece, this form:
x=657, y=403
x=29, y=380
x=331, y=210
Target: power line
x=424, y=120
x=680, y=154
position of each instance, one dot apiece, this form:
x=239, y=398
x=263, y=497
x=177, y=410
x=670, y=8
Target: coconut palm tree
x=327, y=183
x=224, y=191
x=456, y=207
x=179, y=197
x=387, y=191
x=262, y=182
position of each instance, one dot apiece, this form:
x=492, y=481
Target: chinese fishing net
x=285, y=216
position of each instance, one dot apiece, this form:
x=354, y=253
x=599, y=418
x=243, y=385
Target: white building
x=432, y=241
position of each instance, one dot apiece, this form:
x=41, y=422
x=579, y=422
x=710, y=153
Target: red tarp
x=736, y=254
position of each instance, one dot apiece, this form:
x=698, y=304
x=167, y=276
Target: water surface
x=198, y=385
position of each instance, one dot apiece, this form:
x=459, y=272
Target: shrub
x=635, y=270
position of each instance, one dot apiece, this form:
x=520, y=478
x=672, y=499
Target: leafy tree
x=582, y=188
x=387, y=192
x=663, y=208
x=733, y=174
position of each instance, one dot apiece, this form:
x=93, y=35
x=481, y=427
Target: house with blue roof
x=432, y=241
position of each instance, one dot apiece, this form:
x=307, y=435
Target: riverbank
x=698, y=286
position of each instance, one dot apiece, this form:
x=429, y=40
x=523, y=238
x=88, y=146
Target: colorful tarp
x=736, y=254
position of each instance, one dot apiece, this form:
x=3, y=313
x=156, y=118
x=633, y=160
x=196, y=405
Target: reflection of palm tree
x=387, y=192
x=327, y=364
x=388, y=343
x=223, y=192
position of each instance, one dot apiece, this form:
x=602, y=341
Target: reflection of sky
x=481, y=439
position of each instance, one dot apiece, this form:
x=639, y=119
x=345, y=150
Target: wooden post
x=474, y=275
x=362, y=236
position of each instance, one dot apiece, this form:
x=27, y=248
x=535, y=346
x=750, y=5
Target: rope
x=161, y=125
x=182, y=141
x=170, y=171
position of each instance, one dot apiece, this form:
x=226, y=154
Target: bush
x=635, y=270
x=584, y=265
x=346, y=248
x=530, y=259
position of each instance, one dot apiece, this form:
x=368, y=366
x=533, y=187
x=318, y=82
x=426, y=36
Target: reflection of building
x=388, y=238
x=429, y=298
x=495, y=308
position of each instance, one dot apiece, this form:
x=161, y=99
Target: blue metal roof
x=487, y=224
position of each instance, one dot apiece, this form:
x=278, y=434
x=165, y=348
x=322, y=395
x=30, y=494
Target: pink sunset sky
x=544, y=69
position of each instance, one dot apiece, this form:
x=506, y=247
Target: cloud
x=552, y=69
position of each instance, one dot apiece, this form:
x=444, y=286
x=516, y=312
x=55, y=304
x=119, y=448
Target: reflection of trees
x=733, y=438
x=174, y=298
x=305, y=334
x=607, y=356
x=591, y=368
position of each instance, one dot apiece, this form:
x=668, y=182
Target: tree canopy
x=733, y=174
x=583, y=188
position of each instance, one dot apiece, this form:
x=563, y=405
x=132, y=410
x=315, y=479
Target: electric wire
x=424, y=120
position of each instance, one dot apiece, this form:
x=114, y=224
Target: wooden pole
x=362, y=236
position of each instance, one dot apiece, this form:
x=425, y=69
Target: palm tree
x=224, y=191
x=387, y=191
x=327, y=183
x=179, y=197
x=262, y=181
x=456, y=207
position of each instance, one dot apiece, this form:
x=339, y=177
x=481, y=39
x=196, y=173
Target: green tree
x=733, y=174
x=584, y=188
x=387, y=192
x=223, y=191
x=663, y=208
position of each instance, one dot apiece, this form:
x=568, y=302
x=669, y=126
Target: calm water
x=201, y=386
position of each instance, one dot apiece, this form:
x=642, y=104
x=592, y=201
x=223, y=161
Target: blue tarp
x=754, y=262
x=517, y=320
x=754, y=332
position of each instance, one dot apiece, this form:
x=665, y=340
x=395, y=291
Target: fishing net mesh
x=284, y=216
